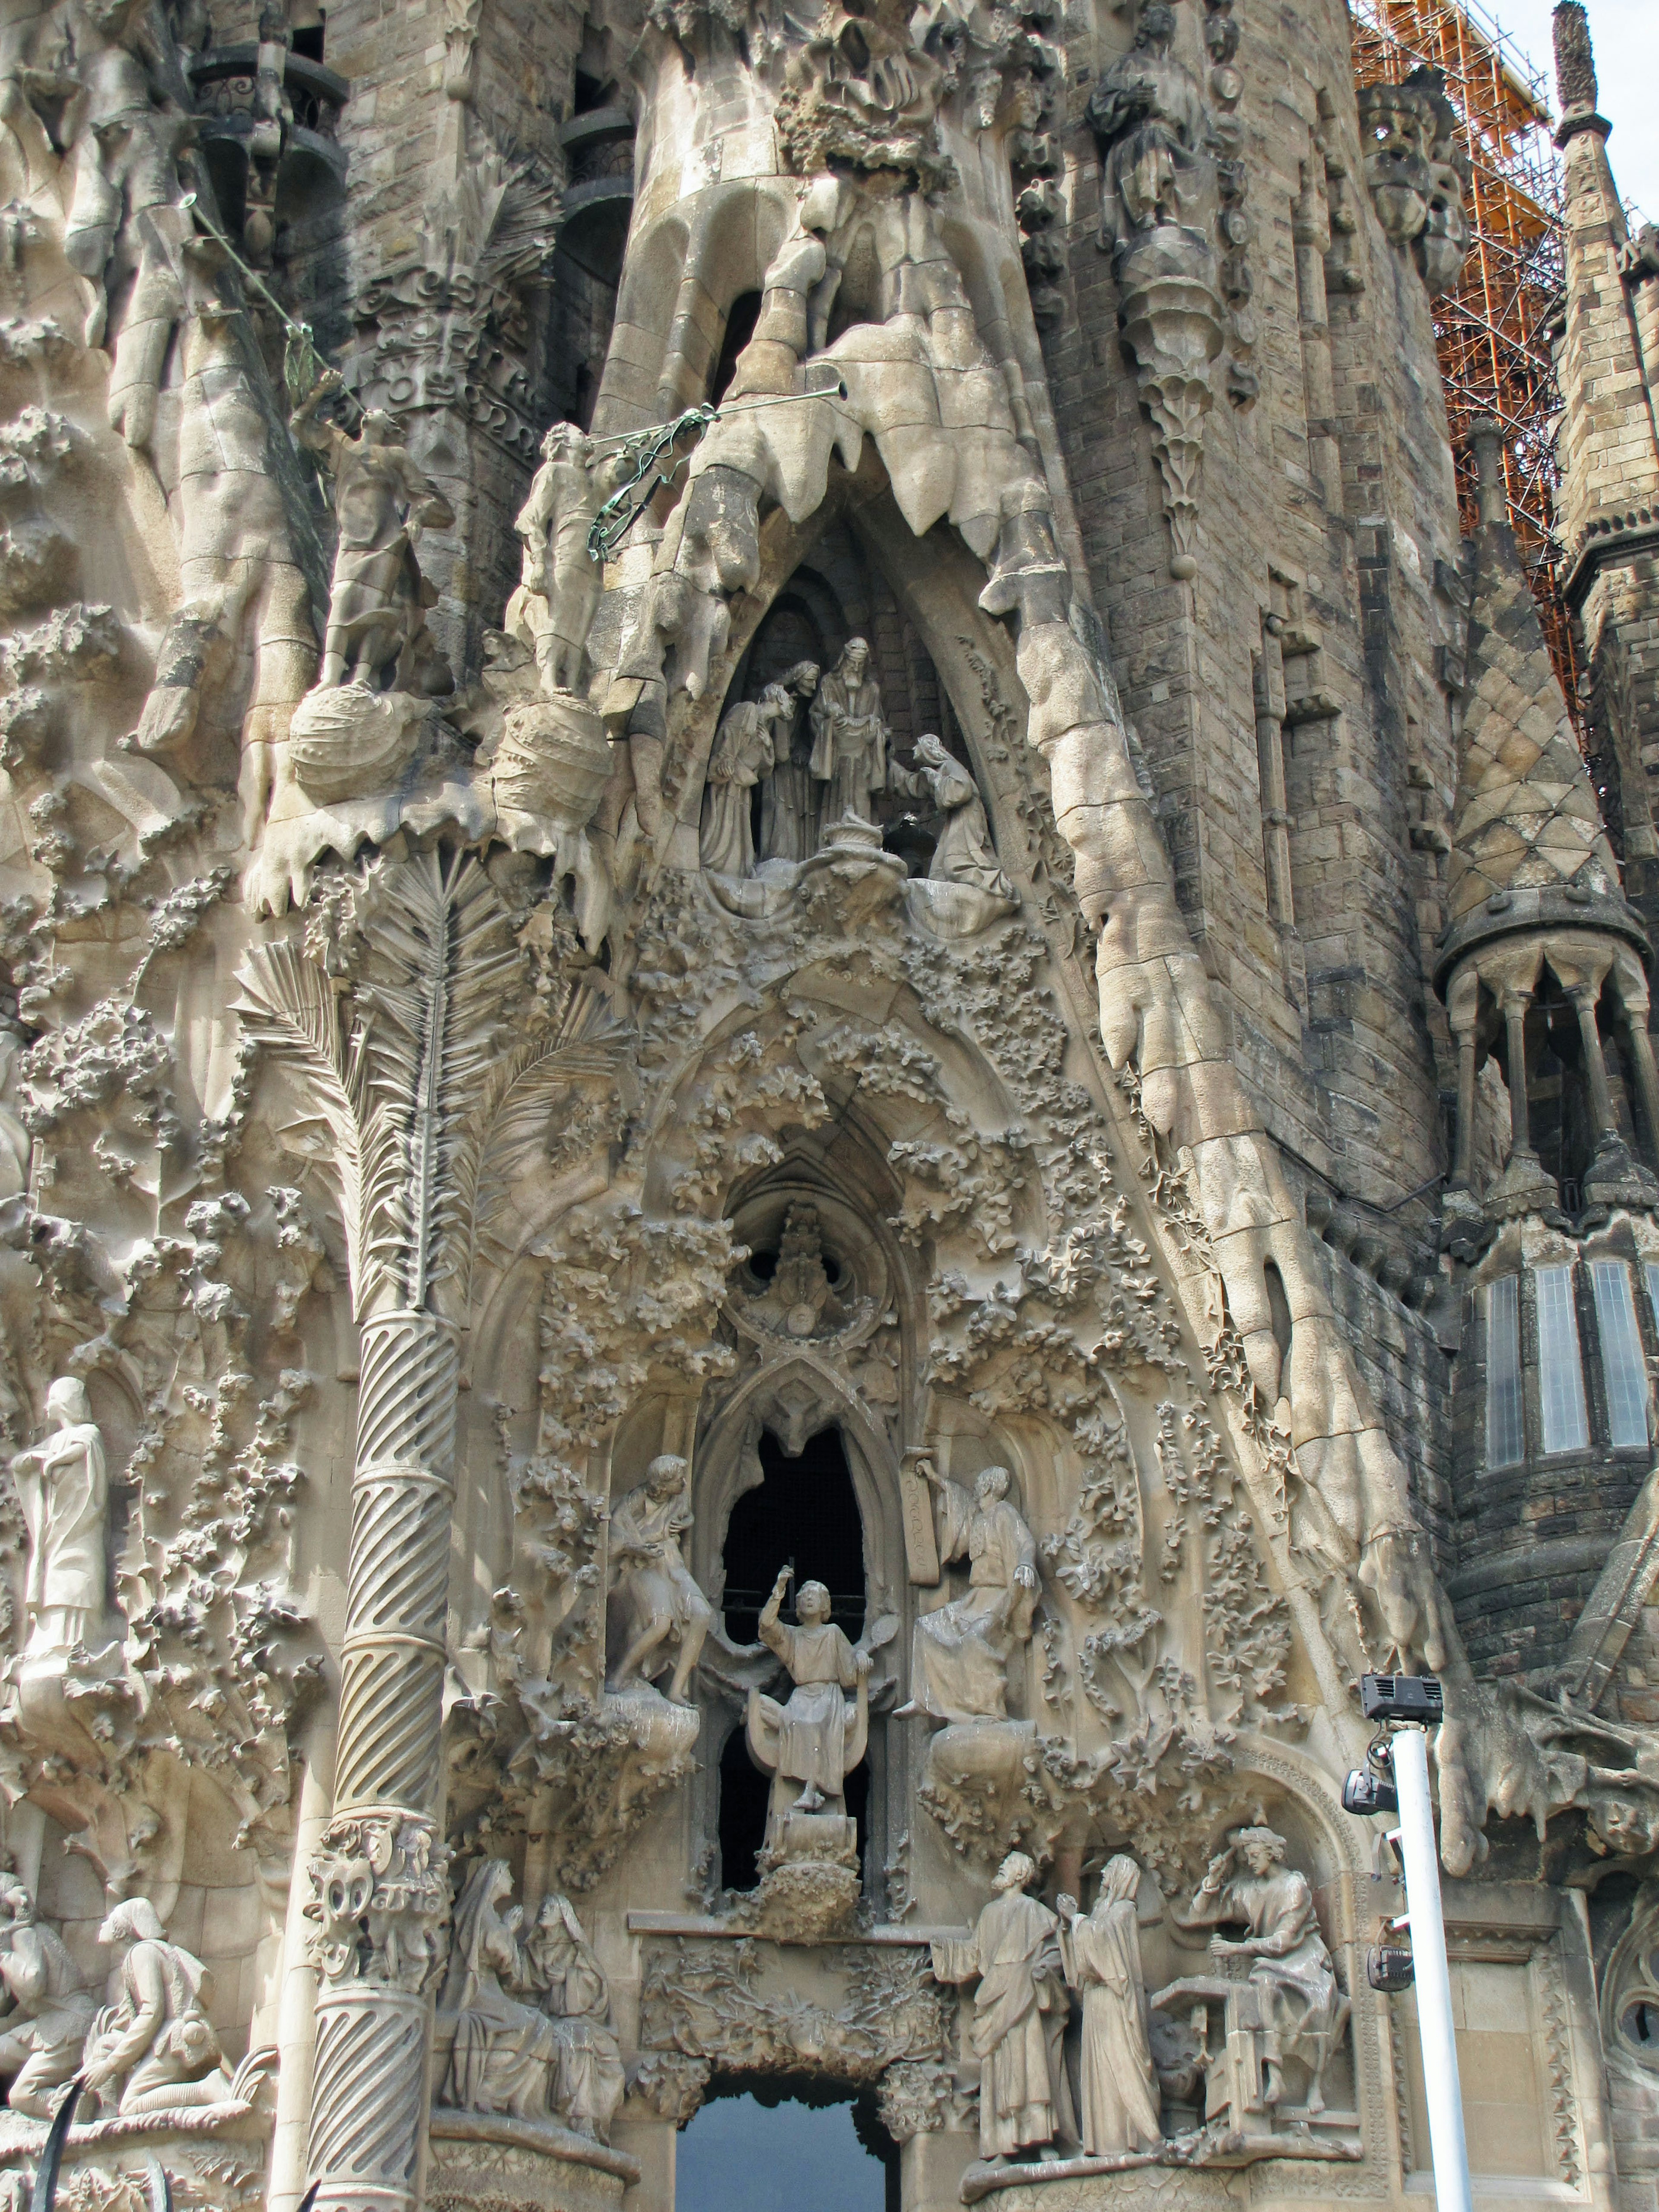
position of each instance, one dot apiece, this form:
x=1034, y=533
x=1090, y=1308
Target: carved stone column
x=381, y=1867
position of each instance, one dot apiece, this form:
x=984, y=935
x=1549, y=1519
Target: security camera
x=1363, y=1793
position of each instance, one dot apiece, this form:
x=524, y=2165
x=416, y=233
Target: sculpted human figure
x=1303, y=2007
x=1149, y=114
x=589, y=2080
x=788, y=828
x=155, y=2050
x=45, y=2012
x=1101, y=1956
x=653, y=1601
x=1020, y=2011
x=378, y=601
x=64, y=1490
x=959, y=1654
x=811, y=1744
x=964, y=852
x=505, y=2048
x=849, y=737
x=553, y=606
x=744, y=750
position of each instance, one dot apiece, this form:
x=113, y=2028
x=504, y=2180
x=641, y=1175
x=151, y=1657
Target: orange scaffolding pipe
x=1493, y=330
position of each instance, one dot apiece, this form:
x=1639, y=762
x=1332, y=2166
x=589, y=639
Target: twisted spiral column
x=381, y=1868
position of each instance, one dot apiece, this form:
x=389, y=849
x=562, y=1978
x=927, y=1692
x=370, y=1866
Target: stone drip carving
x=531, y=2014
x=1417, y=172
x=1159, y=204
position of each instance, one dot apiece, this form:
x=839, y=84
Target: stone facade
x=819, y=1058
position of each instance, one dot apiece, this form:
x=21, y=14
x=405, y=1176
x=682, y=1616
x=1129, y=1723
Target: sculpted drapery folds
x=1020, y=2011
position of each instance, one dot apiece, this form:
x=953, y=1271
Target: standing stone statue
x=964, y=852
x=378, y=602
x=789, y=821
x=811, y=1744
x=1149, y=114
x=1101, y=1958
x=155, y=2050
x=63, y=1492
x=652, y=1600
x=505, y=2048
x=959, y=1654
x=44, y=2013
x=1303, y=2007
x=553, y=609
x=745, y=752
x=589, y=2081
x=1020, y=2011
x=849, y=737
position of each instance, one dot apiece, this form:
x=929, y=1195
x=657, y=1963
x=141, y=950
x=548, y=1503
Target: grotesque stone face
x=1417, y=172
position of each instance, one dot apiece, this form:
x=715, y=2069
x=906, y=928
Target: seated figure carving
x=810, y=1745
x=960, y=1653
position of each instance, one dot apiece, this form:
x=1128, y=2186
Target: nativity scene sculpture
x=530, y=2014
x=1119, y=2095
x=63, y=1487
x=46, y=2010
x=658, y=1616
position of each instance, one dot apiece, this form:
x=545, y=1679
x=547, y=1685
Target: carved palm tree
x=428, y=1119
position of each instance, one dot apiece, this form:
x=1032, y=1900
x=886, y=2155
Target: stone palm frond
x=290, y=1007
x=434, y=1003
x=587, y=1043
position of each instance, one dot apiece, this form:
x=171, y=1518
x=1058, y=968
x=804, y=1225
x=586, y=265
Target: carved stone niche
x=868, y=2015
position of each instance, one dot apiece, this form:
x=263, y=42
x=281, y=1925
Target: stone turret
x=1608, y=361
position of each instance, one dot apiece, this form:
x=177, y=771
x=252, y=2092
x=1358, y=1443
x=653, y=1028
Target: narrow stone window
x=1560, y=1373
x=1622, y=1364
x=1506, y=1444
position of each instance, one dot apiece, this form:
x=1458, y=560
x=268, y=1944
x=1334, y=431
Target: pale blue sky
x=1626, y=34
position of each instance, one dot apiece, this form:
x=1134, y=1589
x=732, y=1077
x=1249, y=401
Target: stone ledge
x=26, y=2138
x=545, y=2136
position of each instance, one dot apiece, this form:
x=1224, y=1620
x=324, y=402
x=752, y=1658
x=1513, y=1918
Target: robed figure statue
x=1020, y=2011
x=811, y=1744
x=1102, y=1957
x=960, y=1653
x=849, y=739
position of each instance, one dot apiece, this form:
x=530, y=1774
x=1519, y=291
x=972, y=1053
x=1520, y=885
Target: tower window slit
x=1623, y=1367
x=1560, y=1371
x=1506, y=1443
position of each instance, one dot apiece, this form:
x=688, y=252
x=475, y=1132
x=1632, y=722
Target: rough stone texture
x=494, y=1160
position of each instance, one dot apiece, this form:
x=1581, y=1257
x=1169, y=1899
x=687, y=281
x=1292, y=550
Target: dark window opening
x=587, y=93
x=803, y=1515
x=740, y=323
x=308, y=43
x=756, y=2143
x=745, y=1791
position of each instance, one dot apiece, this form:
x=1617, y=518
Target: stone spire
x=1609, y=448
x=1534, y=883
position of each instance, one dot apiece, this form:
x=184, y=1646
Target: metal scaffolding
x=1493, y=330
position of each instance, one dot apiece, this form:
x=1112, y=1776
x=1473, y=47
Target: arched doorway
x=803, y=1513
x=753, y=2145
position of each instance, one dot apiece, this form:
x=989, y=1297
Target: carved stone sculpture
x=1118, y=2088
x=505, y=2048
x=589, y=2082
x=849, y=737
x=1020, y=2011
x=964, y=852
x=553, y=606
x=810, y=1744
x=788, y=828
x=745, y=752
x=1300, y=2009
x=1417, y=172
x=45, y=2012
x=63, y=1487
x=656, y=1611
x=376, y=635
x=155, y=2050
x=959, y=1663
x=1158, y=208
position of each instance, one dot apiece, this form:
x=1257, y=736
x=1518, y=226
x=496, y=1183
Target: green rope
x=301, y=362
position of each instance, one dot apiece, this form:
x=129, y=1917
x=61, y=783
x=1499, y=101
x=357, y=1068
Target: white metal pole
x=1410, y=1750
